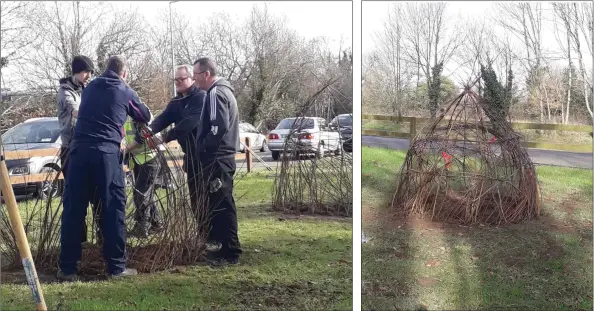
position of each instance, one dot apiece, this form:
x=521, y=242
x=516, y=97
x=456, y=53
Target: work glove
x=215, y=185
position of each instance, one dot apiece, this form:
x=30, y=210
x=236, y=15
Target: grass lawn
x=410, y=264
x=289, y=262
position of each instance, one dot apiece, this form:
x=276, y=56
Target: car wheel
x=264, y=147
x=275, y=155
x=49, y=188
x=338, y=150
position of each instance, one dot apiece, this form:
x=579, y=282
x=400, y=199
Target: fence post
x=248, y=154
x=413, y=127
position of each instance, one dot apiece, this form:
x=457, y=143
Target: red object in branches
x=447, y=159
x=492, y=140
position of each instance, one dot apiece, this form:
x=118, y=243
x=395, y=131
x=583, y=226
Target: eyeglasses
x=197, y=73
x=180, y=80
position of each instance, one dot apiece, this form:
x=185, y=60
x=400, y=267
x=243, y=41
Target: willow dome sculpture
x=469, y=167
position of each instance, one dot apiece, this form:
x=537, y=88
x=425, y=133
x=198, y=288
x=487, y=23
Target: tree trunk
x=566, y=121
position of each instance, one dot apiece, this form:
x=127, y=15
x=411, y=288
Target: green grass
x=557, y=137
x=544, y=264
x=385, y=125
x=300, y=263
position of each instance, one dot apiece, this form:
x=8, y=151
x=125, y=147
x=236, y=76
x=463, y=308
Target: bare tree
x=524, y=21
x=431, y=44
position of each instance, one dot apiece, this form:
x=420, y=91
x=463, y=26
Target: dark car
x=34, y=134
x=344, y=124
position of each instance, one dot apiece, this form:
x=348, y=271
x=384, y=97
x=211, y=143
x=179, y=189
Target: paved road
x=539, y=156
x=256, y=164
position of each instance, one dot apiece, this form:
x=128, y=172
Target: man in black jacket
x=184, y=110
x=218, y=142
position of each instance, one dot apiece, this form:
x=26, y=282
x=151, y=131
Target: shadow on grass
x=543, y=264
x=306, y=270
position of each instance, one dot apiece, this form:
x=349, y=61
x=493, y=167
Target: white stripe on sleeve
x=213, y=104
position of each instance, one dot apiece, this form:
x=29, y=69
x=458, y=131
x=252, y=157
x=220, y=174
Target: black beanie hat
x=82, y=63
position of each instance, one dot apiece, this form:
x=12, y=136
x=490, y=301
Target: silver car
x=34, y=134
x=306, y=135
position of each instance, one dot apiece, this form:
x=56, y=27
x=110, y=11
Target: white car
x=308, y=135
x=257, y=139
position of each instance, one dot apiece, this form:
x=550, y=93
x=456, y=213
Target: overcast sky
x=309, y=18
x=375, y=14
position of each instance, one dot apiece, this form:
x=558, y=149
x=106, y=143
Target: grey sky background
x=375, y=14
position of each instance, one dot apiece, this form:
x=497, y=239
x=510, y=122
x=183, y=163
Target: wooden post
x=20, y=235
x=248, y=154
x=413, y=127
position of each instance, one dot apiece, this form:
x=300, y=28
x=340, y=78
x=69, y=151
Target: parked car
x=305, y=135
x=344, y=124
x=34, y=134
x=257, y=139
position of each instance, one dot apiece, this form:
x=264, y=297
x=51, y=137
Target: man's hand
x=131, y=147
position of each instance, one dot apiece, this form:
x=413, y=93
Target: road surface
x=539, y=156
x=256, y=164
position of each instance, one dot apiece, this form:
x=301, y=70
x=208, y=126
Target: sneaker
x=222, y=261
x=125, y=273
x=140, y=230
x=68, y=277
x=213, y=246
x=217, y=259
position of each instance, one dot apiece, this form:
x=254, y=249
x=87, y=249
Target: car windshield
x=346, y=120
x=301, y=123
x=32, y=133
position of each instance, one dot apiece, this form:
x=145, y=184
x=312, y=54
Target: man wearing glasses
x=184, y=110
x=218, y=142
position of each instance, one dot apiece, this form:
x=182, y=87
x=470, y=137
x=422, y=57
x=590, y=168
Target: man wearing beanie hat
x=69, y=99
x=69, y=95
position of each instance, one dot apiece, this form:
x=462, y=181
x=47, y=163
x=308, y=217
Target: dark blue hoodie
x=105, y=105
x=184, y=111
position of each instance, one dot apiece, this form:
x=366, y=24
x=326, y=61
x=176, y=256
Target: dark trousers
x=221, y=204
x=64, y=152
x=145, y=176
x=192, y=168
x=90, y=168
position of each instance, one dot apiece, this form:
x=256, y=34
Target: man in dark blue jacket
x=218, y=142
x=184, y=110
x=94, y=162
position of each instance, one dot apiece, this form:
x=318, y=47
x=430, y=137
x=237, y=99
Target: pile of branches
x=468, y=166
x=310, y=180
x=181, y=242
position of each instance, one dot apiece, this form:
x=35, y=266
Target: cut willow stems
x=468, y=166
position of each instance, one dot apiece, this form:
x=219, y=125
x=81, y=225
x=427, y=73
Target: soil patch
x=426, y=281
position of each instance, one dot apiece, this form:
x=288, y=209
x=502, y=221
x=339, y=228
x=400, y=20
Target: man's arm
x=70, y=104
x=190, y=120
x=138, y=111
x=218, y=121
x=163, y=120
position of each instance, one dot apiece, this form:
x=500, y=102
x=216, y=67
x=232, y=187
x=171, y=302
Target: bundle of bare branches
x=308, y=182
x=182, y=240
x=468, y=166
